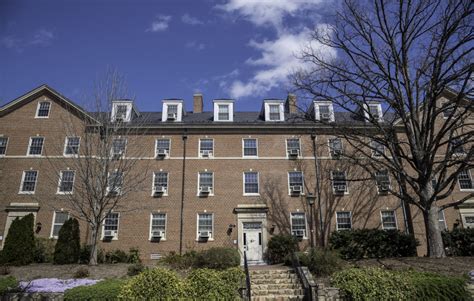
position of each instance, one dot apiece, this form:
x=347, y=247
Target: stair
x=275, y=284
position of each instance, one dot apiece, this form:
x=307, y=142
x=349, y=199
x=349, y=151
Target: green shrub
x=81, y=272
x=279, y=247
x=4, y=270
x=207, y=284
x=116, y=256
x=234, y=279
x=103, y=290
x=321, y=262
x=459, y=242
x=157, y=283
x=134, y=255
x=373, y=243
x=7, y=283
x=85, y=254
x=135, y=269
x=218, y=258
x=380, y=284
x=68, y=246
x=20, y=242
x=44, y=250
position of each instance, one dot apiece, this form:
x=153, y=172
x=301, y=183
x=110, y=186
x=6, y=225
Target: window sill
x=466, y=190
x=41, y=117
x=250, y=157
x=204, y=195
x=26, y=192
x=153, y=240
x=64, y=193
x=210, y=239
x=251, y=194
x=71, y=155
x=34, y=156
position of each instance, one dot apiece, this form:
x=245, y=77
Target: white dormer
x=373, y=110
x=223, y=110
x=274, y=110
x=122, y=110
x=323, y=111
x=172, y=110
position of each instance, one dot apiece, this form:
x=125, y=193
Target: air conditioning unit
x=375, y=116
x=293, y=152
x=159, y=191
x=337, y=152
x=296, y=189
x=206, y=153
x=298, y=233
x=204, y=234
x=113, y=192
x=108, y=234
x=172, y=116
x=205, y=189
x=340, y=188
x=157, y=234
x=161, y=153
x=383, y=187
x=119, y=119
x=325, y=116
x=118, y=155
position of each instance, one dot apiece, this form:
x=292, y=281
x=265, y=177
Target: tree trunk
x=93, y=244
x=433, y=233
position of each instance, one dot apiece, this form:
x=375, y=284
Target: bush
x=373, y=243
x=279, y=247
x=321, y=262
x=154, y=283
x=207, y=284
x=134, y=256
x=20, y=242
x=85, y=254
x=68, y=246
x=115, y=256
x=44, y=250
x=81, y=272
x=7, y=283
x=459, y=242
x=135, y=269
x=180, y=262
x=379, y=284
x=218, y=258
x=103, y=290
x=4, y=270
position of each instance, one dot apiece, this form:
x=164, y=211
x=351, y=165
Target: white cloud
x=42, y=37
x=10, y=42
x=161, y=23
x=196, y=45
x=188, y=19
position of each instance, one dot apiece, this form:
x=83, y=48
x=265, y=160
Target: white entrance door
x=252, y=240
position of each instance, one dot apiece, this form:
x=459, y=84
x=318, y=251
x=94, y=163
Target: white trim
x=211, y=156
x=180, y=109
x=23, y=180
x=381, y=219
x=51, y=236
x=305, y=236
x=60, y=179
x=167, y=182
x=211, y=237
x=299, y=151
x=345, y=178
x=230, y=104
x=65, y=147
x=317, y=114
x=151, y=223
x=169, y=147
x=38, y=107
x=243, y=148
x=444, y=220
x=281, y=107
x=302, y=182
x=472, y=182
x=258, y=184
x=118, y=226
x=366, y=108
x=128, y=112
x=350, y=216
x=199, y=183
x=29, y=146
x=330, y=150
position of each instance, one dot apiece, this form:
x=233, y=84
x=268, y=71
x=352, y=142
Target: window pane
x=3, y=145
x=161, y=180
x=388, y=220
x=251, y=182
x=378, y=149
x=442, y=222
x=43, y=110
x=158, y=222
x=343, y=220
x=339, y=181
x=163, y=144
x=115, y=181
x=250, y=147
x=67, y=181
x=118, y=145
x=295, y=178
x=274, y=112
x=457, y=146
x=298, y=222
x=223, y=112
x=72, y=145
x=36, y=146
x=205, y=222
x=293, y=144
x=207, y=144
x=382, y=178
x=205, y=179
x=111, y=222
x=29, y=181
x=172, y=109
x=465, y=180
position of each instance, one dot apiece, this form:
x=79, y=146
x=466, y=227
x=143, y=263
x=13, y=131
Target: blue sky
x=241, y=49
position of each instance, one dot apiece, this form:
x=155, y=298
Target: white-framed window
x=118, y=147
x=172, y=110
x=43, y=109
x=162, y=147
x=339, y=182
x=59, y=218
x=465, y=180
x=206, y=183
x=382, y=179
x=295, y=183
x=66, y=181
x=121, y=111
x=223, y=113
x=448, y=109
x=158, y=225
x=343, y=220
x=223, y=110
x=111, y=226
x=274, y=112
x=293, y=147
x=389, y=221
x=324, y=111
x=250, y=147
x=28, y=181
x=115, y=182
x=467, y=220
x=457, y=147
x=378, y=149
x=206, y=148
x=298, y=224
x=36, y=146
x=205, y=226
x=335, y=147
x=71, y=147
x=251, y=182
x=442, y=221
x=160, y=182
x=373, y=111
x=3, y=145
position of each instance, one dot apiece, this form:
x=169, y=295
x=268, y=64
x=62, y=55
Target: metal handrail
x=307, y=287
x=248, y=289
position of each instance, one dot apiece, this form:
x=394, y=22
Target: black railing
x=307, y=287
x=248, y=289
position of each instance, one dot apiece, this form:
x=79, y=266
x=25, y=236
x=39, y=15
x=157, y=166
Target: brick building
x=215, y=178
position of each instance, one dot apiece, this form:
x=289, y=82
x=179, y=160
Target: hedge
x=7, y=283
x=279, y=247
x=68, y=246
x=380, y=284
x=20, y=242
x=103, y=290
x=214, y=258
x=321, y=262
x=207, y=284
x=373, y=243
x=459, y=242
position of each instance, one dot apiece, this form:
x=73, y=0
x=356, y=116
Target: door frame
x=247, y=214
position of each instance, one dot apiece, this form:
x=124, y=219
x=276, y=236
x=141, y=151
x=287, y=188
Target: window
x=442, y=221
x=343, y=220
x=66, y=181
x=250, y=148
x=457, y=146
x=114, y=182
x=374, y=112
x=162, y=147
x=173, y=109
x=205, y=225
x=298, y=224
x=3, y=145
x=158, y=224
x=118, y=147
x=206, y=148
x=59, y=218
x=274, y=112
x=388, y=220
x=335, y=147
x=223, y=112
x=36, y=146
x=467, y=220
x=378, y=149
x=382, y=180
x=293, y=147
x=160, y=182
x=111, y=224
x=251, y=183
x=448, y=109
x=43, y=109
x=72, y=146
x=206, y=180
x=28, y=183
x=465, y=180
x=295, y=182
x=324, y=111
x=339, y=182
x=121, y=113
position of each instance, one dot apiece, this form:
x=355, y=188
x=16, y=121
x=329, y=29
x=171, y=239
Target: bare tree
x=404, y=55
x=102, y=157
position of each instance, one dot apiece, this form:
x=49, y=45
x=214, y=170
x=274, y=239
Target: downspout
x=318, y=189
x=181, y=213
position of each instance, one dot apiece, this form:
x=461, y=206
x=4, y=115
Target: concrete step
x=271, y=286
x=276, y=292
x=274, y=281
x=274, y=276
x=272, y=271
x=278, y=298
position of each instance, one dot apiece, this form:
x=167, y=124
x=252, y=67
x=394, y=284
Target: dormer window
x=274, y=110
x=172, y=110
x=373, y=112
x=223, y=110
x=324, y=111
x=122, y=111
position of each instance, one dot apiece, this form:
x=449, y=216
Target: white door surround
x=252, y=241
